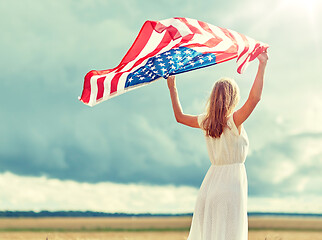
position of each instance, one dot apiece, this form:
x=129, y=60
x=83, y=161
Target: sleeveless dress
x=221, y=207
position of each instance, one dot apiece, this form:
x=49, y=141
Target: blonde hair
x=221, y=103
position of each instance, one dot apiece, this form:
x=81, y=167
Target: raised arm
x=255, y=93
x=189, y=120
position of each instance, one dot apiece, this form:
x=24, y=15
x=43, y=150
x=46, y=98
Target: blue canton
x=174, y=61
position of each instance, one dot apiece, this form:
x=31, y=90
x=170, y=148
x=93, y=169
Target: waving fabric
x=170, y=47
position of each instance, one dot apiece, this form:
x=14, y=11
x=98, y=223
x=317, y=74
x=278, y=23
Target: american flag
x=169, y=47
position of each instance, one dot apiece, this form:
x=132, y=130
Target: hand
x=263, y=57
x=171, y=80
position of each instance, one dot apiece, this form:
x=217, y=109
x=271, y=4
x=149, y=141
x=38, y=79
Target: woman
x=221, y=207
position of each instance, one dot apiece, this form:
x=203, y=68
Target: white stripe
x=205, y=36
x=153, y=42
x=179, y=25
x=243, y=61
x=121, y=83
x=170, y=45
x=251, y=43
x=196, y=24
x=221, y=47
x=184, y=31
x=122, y=79
x=198, y=38
x=225, y=44
x=132, y=88
x=240, y=41
x=107, y=85
x=218, y=32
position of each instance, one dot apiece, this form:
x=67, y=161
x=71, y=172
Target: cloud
x=291, y=204
x=287, y=167
x=41, y=193
x=53, y=194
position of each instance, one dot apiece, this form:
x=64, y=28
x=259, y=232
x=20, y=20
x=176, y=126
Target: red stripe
x=191, y=27
x=185, y=39
x=225, y=56
x=100, y=87
x=231, y=52
x=211, y=43
x=255, y=51
x=239, y=69
x=233, y=48
x=258, y=50
x=206, y=28
x=86, y=94
x=173, y=32
x=167, y=38
x=245, y=48
x=114, y=82
x=139, y=43
x=228, y=34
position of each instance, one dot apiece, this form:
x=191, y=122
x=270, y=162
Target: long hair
x=221, y=103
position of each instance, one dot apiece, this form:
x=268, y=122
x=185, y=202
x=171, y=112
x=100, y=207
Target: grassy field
x=169, y=228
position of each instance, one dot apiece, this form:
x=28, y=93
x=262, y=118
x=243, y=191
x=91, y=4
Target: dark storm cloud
x=121, y=141
x=90, y=147
x=46, y=131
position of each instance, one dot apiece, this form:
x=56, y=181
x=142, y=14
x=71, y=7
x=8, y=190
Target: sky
x=128, y=154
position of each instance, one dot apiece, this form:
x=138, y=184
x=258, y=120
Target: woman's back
x=231, y=147
x=221, y=207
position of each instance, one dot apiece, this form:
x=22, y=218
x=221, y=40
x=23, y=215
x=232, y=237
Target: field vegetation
x=169, y=228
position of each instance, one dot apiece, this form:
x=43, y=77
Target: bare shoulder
x=239, y=126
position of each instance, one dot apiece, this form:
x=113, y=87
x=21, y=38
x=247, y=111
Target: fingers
x=171, y=77
x=265, y=48
x=263, y=57
x=171, y=81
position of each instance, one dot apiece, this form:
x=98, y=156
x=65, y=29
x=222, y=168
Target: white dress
x=221, y=208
